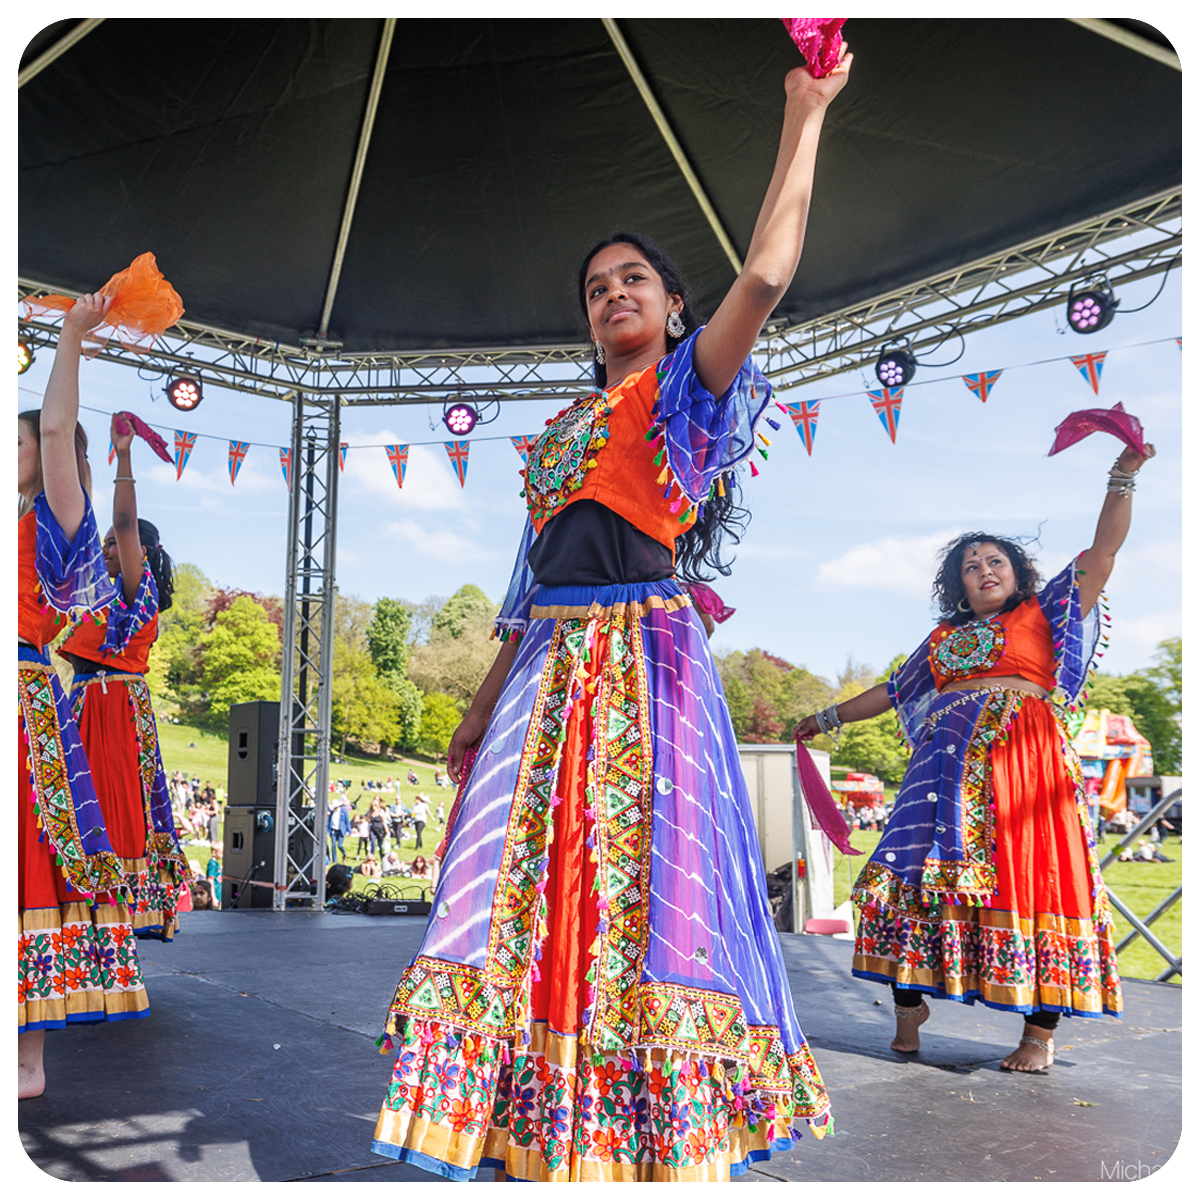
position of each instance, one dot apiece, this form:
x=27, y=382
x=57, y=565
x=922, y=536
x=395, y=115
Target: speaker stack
x=249, y=839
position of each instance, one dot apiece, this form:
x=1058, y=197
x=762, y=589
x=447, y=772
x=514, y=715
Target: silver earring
x=599, y=352
x=675, y=325
x=964, y=606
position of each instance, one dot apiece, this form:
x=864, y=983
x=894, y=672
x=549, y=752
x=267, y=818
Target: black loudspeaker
x=253, y=753
x=248, y=863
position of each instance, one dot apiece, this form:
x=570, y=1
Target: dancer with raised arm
x=600, y=994
x=111, y=703
x=985, y=884
x=76, y=952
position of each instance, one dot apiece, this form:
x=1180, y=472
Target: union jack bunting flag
x=185, y=443
x=398, y=457
x=886, y=404
x=285, y=464
x=237, y=456
x=524, y=445
x=458, y=452
x=804, y=417
x=342, y=448
x=1090, y=366
x=112, y=453
x=982, y=383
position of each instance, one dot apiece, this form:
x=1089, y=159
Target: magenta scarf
x=821, y=805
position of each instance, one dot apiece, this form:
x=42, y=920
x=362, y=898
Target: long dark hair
x=33, y=418
x=948, y=588
x=721, y=518
x=160, y=563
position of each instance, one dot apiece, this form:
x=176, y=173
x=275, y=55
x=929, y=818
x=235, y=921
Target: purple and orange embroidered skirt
x=120, y=737
x=600, y=994
x=1038, y=932
x=76, y=952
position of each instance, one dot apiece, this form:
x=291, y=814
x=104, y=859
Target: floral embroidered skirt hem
x=76, y=953
x=600, y=994
x=116, y=725
x=1043, y=940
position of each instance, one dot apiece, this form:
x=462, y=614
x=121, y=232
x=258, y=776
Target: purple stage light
x=895, y=367
x=460, y=418
x=1091, y=308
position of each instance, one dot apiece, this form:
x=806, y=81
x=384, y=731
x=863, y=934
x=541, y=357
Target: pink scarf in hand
x=128, y=423
x=821, y=805
x=819, y=39
x=1113, y=420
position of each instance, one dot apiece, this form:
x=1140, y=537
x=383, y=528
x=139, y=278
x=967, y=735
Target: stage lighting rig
x=24, y=356
x=895, y=367
x=1091, y=307
x=461, y=414
x=184, y=392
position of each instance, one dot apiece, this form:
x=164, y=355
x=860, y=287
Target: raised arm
x=863, y=707
x=1096, y=563
x=60, y=412
x=125, y=518
x=778, y=238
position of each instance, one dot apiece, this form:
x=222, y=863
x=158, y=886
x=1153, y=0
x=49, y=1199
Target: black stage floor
x=259, y=1063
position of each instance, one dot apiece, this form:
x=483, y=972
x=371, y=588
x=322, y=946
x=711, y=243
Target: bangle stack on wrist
x=829, y=723
x=1120, y=481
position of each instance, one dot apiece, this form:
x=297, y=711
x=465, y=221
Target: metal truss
x=1028, y=278
x=1141, y=926
x=1126, y=244
x=301, y=812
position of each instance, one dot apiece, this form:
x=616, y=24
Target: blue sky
x=838, y=558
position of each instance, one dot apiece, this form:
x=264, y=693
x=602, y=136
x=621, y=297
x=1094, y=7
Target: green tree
x=872, y=745
x=240, y=653
x=439, y=720
x=467, y=607
x=175, y=657
x=767, y=695
x=364, y=708
x=410, y=707
x=388, y=639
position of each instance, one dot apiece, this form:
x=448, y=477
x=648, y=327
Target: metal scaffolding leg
x=301, y=805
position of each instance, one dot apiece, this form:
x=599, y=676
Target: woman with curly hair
x=985, y=884
x=600, y=994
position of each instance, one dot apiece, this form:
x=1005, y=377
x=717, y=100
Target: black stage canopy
x=501, y=149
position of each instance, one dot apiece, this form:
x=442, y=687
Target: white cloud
x=903, y=565
x=414, y=540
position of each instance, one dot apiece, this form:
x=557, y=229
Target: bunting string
x=804, y=414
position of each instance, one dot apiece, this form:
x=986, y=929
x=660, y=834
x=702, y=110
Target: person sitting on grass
x=369, y=868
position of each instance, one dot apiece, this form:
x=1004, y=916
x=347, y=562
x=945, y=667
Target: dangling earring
x=675, y=325
x=599, y=352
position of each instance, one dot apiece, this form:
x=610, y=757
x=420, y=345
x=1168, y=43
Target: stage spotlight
x=24, y=356
x=460, y=418
x=895, y=367
x=1091, y=308
x=184, y=392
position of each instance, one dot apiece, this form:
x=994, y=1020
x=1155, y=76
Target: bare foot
x=31, y=1075
x=1034, y=1055
x=908, y=1022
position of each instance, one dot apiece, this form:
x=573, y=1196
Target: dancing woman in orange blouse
x=111, y=703
x=985, y=884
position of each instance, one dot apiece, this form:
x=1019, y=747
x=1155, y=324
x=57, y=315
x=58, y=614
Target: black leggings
x=911, y=998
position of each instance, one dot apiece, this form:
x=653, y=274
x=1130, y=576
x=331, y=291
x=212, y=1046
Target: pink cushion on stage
x=827, y=925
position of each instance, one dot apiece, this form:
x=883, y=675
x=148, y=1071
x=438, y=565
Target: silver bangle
x=828, y=721
x=124, y=479
x=1120, y=486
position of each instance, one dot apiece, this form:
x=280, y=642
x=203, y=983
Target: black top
x=588, y=543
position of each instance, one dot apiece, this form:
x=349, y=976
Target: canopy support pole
x=1130, y=40
x=60, y=47
x=301, y=802
x=360, y=159
x=668, y=135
